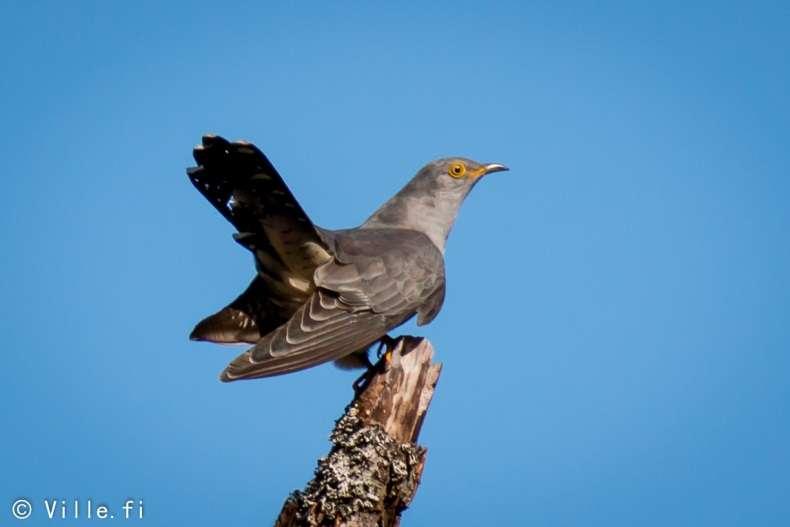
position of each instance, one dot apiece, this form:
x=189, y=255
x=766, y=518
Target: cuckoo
x=324, y=295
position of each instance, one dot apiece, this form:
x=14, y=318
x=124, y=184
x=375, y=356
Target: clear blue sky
x=615, y=336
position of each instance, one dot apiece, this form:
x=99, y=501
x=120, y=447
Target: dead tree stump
x=373, y=469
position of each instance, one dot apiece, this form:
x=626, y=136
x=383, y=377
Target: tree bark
x=373, y=469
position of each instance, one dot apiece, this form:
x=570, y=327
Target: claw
x=385, y=342
x=384, y=351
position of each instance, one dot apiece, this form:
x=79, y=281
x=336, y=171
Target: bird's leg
x=386, y=345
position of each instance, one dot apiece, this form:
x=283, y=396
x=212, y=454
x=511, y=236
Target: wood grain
x=374, y=467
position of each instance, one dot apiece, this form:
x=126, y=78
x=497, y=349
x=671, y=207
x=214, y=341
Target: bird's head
x=457, y=174
x=447, y=181
x=429, y=202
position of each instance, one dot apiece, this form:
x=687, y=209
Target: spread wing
x=378, y=280
x=246, y=189
x=253, y=313
x=322, y=330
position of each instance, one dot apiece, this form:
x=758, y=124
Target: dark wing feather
x=252, y=314
x=321, y=330
x=246, y=189
x=379, y=280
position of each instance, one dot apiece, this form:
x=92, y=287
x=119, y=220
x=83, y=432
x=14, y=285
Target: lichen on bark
x=365, y=472
x=374, y=466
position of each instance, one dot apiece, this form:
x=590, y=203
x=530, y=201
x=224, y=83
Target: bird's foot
x=386, y=347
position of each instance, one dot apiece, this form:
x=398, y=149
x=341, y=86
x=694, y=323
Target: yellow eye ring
x=457, y=170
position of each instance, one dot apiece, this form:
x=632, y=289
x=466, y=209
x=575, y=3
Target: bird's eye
x=457, y=170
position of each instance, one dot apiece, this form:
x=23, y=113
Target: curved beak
x=494, y=167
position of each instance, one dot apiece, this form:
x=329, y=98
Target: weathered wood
x=373, y=469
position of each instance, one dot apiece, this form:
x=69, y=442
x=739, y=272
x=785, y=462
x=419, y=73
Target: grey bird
x=321, y=295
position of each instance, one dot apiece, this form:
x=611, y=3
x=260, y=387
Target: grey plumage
x=320, y=295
